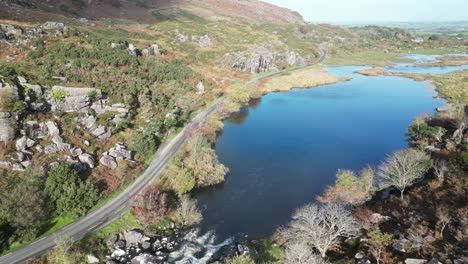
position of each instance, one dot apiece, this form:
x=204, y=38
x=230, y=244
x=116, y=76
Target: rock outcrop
x=108, y=161
x=263, y=58
x=116, y=153
x=8, y=120
x=202, y=41
x=87, y=159
x=200, y=88
x=7, y=129
x=72, y=99
x=120, y=152
x=256, y=60
x=181, y=37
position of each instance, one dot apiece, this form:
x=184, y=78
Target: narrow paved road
x=120, y=204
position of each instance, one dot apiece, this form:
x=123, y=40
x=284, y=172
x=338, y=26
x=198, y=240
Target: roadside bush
x=144, y=144
x=71, y=195
x=196, y=166
x=178, y=177
x=151, y=205
x=64, y=252
x=203, y=162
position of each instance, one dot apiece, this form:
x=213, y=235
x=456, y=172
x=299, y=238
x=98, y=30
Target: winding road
x=116, y=207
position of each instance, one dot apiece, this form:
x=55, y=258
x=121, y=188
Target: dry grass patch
x=305, y=78
x=375, y=71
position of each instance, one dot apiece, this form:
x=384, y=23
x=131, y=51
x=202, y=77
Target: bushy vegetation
x=24, y=208
x=242, y=259
x=350, y=188
x=196, y=166
x=71, y=195
x=188, y=213
x=422, y=131
x=144, y=144
x=151, y=206
x=64, y=252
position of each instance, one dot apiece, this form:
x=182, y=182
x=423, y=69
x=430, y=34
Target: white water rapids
x=197, y=249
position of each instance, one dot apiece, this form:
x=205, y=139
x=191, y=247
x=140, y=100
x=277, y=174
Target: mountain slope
x=148, y=11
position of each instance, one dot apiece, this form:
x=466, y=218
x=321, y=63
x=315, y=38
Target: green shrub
x=459, y=161
x=188, y=213
x=71, y=195
x=38, y=52
x=92, y=95
x=59, y=94
x=144, y=144
x=422, y=131
x=24, y=208
x=242, y=259
x=179, y=178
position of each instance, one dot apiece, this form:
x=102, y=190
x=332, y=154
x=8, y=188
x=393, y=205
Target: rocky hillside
x=149, y=11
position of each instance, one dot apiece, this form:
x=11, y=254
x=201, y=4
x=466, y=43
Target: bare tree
x=188, y=211
x=403, y=168
x=444, y=217
x=321, y=227
x=461, y=125
x=300, y=253
x=440, y=169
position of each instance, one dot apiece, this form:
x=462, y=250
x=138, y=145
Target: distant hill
x=148, y=11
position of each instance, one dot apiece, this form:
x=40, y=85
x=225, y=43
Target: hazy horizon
x=382, y=11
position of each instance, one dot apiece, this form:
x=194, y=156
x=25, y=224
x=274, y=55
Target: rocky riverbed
x=181, y=246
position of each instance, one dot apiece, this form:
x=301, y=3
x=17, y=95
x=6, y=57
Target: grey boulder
x=108, y=161
x=88, y=159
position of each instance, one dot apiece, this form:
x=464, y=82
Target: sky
x=378, y=10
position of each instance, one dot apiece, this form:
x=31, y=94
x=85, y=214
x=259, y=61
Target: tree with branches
x=444, y=217
x=378, y=241
x=320, y=226
x=301, y=253
x=403, y=168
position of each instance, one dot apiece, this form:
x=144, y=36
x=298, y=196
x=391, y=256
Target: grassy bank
x=372, y=58
x=437, y=51
x=304, y=78
x=452, y=86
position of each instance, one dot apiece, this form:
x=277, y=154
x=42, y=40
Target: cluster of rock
x=263, y=58
x=153, y=49
x=15, y=35
x=203, y=41
x=117, y=153
x=136, y=247
x=45, y=136
x=8, y=119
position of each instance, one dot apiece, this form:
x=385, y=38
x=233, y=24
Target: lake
x=284, y=149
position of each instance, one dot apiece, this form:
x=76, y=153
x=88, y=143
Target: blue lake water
x=284, y=149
